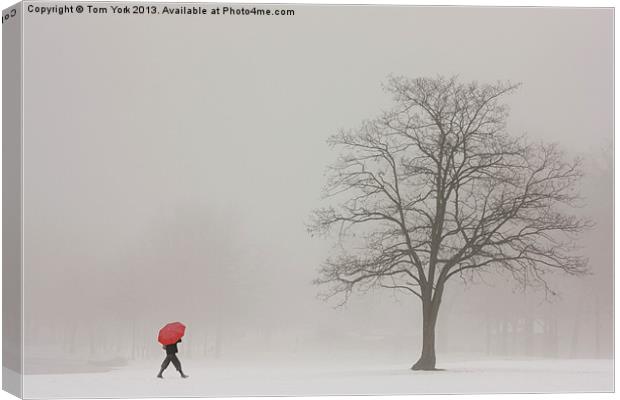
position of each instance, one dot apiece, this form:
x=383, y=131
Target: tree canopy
x=436, y=188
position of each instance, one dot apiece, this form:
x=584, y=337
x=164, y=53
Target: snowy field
x=211, y=380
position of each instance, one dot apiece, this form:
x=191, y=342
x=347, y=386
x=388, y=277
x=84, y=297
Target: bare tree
x=436, y=188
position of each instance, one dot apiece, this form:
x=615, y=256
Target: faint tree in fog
x=436, y=189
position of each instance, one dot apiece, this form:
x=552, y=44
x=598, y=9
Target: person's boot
x=183, y=375
x=160, y=374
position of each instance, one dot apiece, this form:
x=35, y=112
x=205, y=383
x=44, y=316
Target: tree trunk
x=503, y=335
x=426, y=361
x=487, y=326
x=575, y=339
x=514, y=323
x=529, y=335
x=597, y=323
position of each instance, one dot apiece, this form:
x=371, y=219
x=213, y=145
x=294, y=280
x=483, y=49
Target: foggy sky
x=170, y=163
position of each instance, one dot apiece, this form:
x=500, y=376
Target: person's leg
x=177, y=365
x=165, y=364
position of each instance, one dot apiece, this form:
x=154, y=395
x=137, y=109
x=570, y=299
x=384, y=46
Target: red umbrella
x=171, y=333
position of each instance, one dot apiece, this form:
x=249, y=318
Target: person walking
x=171, y=356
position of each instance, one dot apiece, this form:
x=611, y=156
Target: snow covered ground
x=210, y=379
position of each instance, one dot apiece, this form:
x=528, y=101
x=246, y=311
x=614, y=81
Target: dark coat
x=172, y=348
